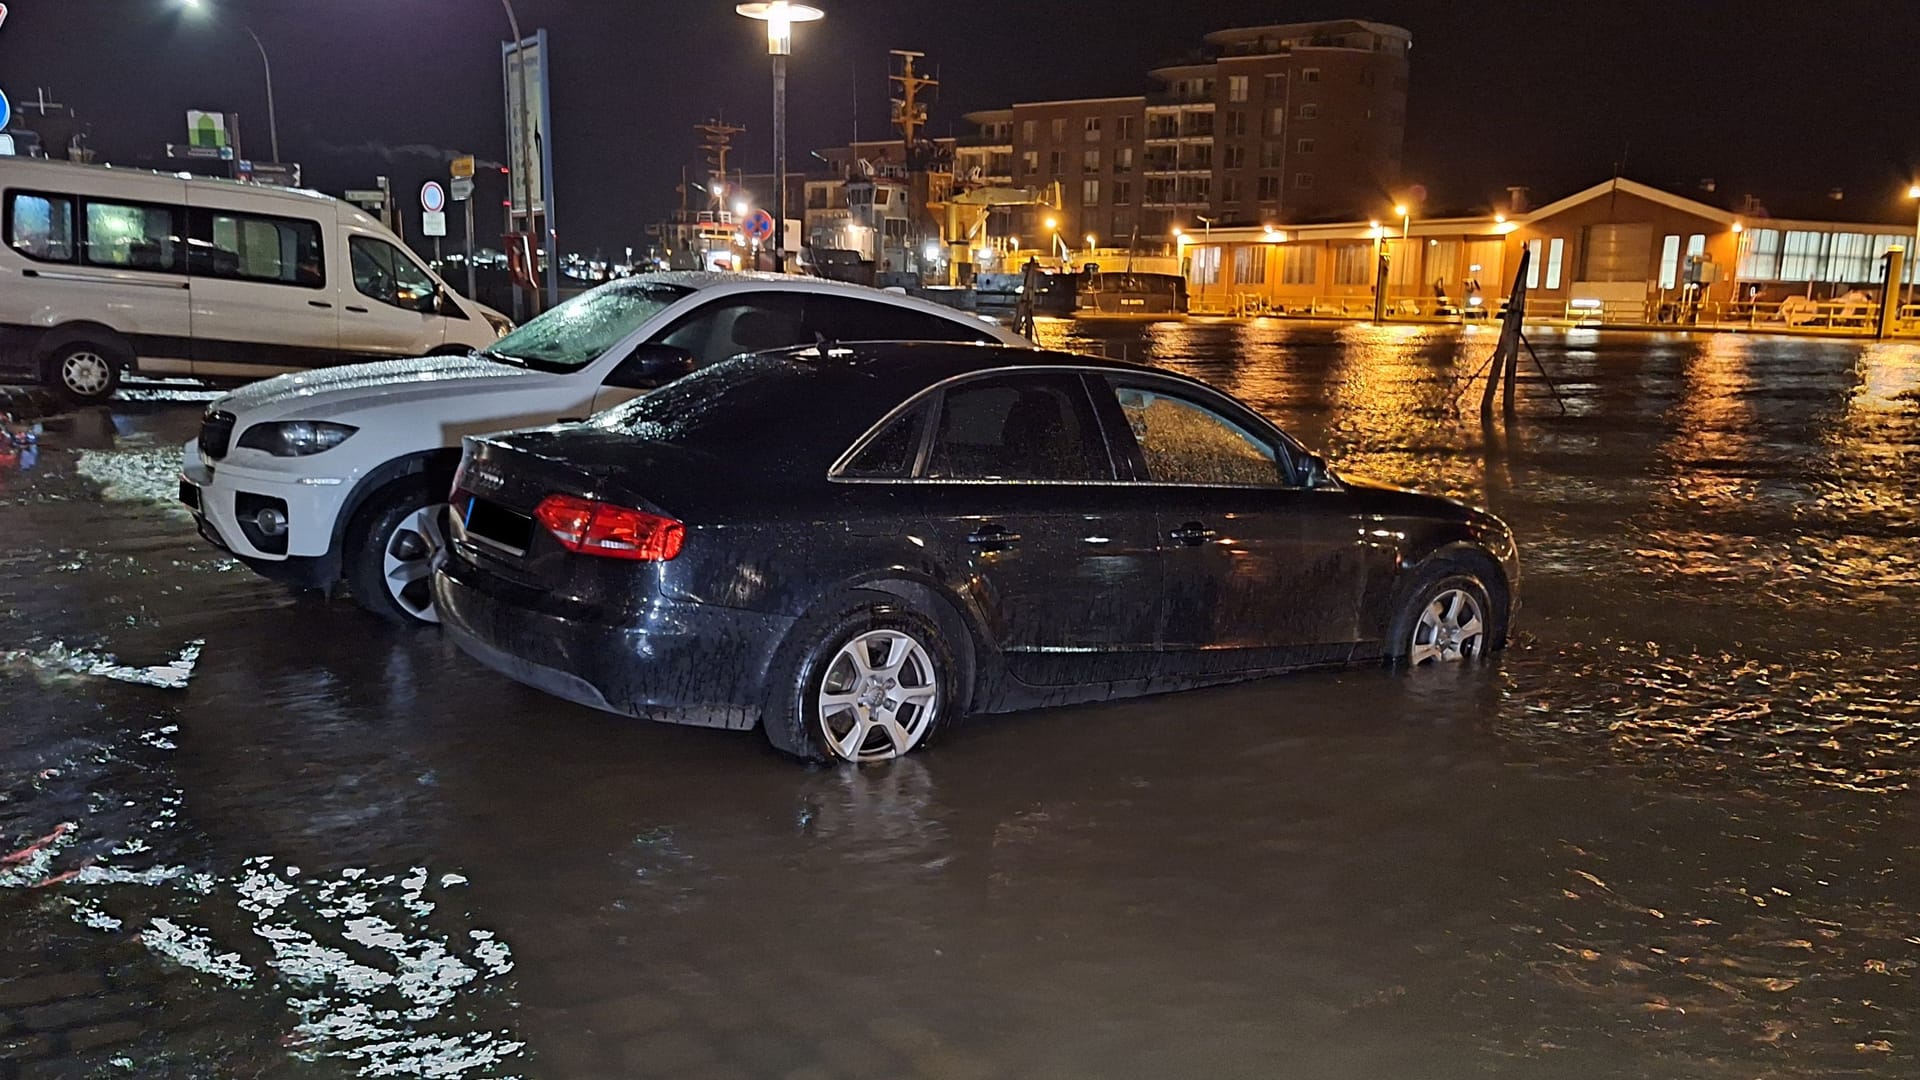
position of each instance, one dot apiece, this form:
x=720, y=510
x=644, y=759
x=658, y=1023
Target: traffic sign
x=433, y=197
x=6, y=146
x=433, y=223
x=6, y=110
x=462, y=168
x=3, y=13
x=461, y=189
x=758, y=225
x=365, y=196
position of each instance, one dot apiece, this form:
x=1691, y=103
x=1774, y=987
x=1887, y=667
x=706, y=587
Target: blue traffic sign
x=6, y=110
x=758, y=225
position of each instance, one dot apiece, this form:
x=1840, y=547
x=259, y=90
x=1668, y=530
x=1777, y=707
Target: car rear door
x=1259, y=573
x=1058, y=561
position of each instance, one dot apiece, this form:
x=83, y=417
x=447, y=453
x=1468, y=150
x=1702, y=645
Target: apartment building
x=1265, y=124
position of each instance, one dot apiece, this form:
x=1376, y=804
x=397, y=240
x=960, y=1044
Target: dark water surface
x=1672, y=832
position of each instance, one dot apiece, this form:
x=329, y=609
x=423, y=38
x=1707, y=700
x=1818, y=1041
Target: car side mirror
x=651, y=365
x=1317, y=473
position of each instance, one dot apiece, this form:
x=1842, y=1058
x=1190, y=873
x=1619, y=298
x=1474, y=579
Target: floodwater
x=1671, y=832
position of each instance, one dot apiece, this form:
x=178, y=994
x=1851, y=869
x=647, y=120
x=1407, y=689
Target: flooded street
x=1671, y=832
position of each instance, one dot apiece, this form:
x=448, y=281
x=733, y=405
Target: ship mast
x=717, y=140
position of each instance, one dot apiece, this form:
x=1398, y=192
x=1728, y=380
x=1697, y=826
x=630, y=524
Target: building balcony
x=1167, y=98
x=984, y=142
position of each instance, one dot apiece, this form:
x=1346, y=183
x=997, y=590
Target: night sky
x=1785, y=100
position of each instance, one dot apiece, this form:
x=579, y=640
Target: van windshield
x=577, y=332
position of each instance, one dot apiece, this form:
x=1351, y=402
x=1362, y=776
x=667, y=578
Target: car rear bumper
x=695, y=664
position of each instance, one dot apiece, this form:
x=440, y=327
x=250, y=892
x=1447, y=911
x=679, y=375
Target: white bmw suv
x=342, y=473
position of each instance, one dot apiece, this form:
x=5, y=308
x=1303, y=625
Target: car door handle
x=1192, y=534
x=318, y=304
x=357, y=310
x=992, y=538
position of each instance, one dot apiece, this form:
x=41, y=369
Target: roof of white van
x=302, y=194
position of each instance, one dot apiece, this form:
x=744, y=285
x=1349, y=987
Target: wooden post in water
x=1889, y=320
x=1506, y=355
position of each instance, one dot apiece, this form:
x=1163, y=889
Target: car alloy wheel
x=413, y=551
x=1451, y=628
x=879, y=697
x=85, y=373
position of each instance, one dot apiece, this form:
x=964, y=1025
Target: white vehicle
x=106, y=271
x=344, y=473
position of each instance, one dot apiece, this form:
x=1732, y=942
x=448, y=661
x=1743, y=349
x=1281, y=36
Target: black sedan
x=851, y=546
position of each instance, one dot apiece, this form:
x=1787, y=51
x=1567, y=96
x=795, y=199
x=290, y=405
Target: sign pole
x=472, y=293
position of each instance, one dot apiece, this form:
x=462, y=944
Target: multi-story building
x=1270, y=124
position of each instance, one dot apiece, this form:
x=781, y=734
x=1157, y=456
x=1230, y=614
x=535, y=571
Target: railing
x=1856, y=316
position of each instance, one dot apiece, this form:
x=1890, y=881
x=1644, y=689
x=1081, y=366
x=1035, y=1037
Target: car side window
x=890, y=453
x=1018, y=427
x=738, y=325
x=847, y=318
x=380, y=272
x=1187, y=443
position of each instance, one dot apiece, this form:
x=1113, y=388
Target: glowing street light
x=273, y=123
x=780, y=15
x=1913, y=192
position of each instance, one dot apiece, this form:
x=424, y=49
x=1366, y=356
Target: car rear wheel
x=395, y=544
x=1448, y=618
x=872, y=682
x=85, y=372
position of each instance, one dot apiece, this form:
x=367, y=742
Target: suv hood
x=320, y=393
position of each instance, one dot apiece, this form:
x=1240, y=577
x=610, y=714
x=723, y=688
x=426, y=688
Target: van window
x=131, y=236
x=252, y=247
x=40, y=226
x=384, y=273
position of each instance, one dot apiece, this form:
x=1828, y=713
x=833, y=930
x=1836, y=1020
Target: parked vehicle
x=107, y=271
x=343, y=473
x=852, y=546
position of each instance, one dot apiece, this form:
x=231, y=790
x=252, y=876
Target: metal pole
x=472, y=288
x=273, y=122
x=1912, y=254
x=526, y=142
x=780, y=163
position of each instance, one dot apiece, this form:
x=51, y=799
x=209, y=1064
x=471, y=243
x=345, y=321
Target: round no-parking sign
x=758, y=225
x=433, y=197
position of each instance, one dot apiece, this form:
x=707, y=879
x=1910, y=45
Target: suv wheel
x=396, y=542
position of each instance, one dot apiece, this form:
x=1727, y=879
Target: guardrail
x=1795, y=313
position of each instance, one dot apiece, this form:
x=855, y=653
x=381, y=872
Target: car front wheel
x=395, y=544
x=872, y=682
x=1448, y=618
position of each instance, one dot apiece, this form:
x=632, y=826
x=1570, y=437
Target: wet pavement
x=1672, y=832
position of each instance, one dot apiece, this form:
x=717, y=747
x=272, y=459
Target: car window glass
x=582, y=329
x=739, y=325
x=846, y=318
x=132, y=237
x=249, y=247
x=891, y=451
x=1184, y=443
x=1018, y=427
x=40, y=226
x=384, y=273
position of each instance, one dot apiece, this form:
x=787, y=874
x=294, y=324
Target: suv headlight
x=502, y=326
x=295, y=438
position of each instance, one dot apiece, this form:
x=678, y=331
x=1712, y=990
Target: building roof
x=1306, y=29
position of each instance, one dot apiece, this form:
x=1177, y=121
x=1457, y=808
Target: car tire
x=1447, y=616
x=393, y=545
x=85, y=372
x=864, y=681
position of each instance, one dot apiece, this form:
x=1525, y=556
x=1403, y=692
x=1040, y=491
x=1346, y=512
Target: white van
x=106, y=271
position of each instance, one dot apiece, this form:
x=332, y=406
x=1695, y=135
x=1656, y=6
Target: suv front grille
x=216, y=432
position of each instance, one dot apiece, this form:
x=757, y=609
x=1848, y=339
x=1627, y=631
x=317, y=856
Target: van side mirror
x=651, y=365
x=429, y=303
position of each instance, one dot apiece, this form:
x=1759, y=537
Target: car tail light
x=591, y=527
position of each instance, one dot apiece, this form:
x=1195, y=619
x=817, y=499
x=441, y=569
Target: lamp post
x=1913, y=192
x=780, y=15
x=266, y=65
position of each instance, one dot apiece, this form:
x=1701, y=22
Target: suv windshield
x=577, y=332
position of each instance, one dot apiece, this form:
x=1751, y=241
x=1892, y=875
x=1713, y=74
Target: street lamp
x=273, y=123
x=1913, y=192
x=780, y=15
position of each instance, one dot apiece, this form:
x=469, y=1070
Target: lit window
x=1250, y=265
x=1205, y=263
x=1236, y=88
x=1556, y=252
x=1670, y=261
x=1533, y=264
